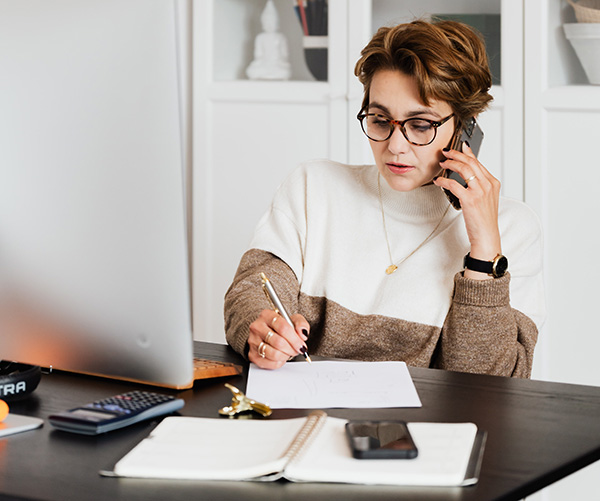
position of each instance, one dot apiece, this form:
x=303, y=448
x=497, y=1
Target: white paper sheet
x=15, y=423
x=329, y=384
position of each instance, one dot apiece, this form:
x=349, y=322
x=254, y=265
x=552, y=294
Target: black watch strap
x=496, y=268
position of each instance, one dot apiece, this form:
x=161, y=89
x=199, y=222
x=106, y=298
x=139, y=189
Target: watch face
x=501, y=266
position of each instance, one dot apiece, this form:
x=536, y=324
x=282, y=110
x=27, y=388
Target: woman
x=371, y=259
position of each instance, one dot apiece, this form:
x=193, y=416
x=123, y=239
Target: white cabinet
x=562, y=113
x=248, y=135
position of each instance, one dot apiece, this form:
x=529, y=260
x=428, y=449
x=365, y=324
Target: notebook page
x=444, y=452
x=211, y=449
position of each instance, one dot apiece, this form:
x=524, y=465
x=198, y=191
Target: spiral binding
x=314, y=422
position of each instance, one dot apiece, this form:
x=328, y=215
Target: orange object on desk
x=3, y=410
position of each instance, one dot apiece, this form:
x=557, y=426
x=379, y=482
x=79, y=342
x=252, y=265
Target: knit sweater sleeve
x=483, y=334
x=245, y=298
x=276, y=250
x=492, y=325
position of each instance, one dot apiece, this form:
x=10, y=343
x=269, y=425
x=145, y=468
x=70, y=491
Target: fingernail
x=435, y=178
x=305, y=332
x=303, y=350
x=467, y=143
x=446, y=149
x=443, y=160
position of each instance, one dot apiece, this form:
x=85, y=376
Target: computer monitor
x=93, y=251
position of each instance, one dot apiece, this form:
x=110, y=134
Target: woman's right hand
x=273, y=341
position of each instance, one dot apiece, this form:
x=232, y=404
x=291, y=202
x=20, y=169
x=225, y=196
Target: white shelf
x=572, y=98
x=294, y=92
x=270, y=92
x=234, y=29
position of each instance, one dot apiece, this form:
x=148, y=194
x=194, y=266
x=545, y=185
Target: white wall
x=562, y=112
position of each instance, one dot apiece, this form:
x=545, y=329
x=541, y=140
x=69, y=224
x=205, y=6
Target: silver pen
x=278, y=306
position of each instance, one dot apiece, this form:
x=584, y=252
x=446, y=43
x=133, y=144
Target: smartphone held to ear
x=472, y=134
x=380, y=440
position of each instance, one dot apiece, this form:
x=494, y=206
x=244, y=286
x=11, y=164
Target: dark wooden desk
x=538, y=433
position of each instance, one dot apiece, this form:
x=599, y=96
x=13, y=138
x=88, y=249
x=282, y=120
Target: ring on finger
x=268, y=336
x=467, y=181
x=262, y=348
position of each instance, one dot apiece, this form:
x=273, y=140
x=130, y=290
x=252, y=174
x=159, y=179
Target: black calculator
x=115, y=412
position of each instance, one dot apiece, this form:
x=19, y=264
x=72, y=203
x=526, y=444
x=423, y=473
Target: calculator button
x=112, y=407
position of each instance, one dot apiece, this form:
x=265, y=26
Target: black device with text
x=115, y=412
x=380, y=440
x=472, y=134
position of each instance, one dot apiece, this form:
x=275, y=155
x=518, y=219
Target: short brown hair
x=447, y=58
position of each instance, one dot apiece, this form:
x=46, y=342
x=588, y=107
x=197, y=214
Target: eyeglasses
x=418, y=131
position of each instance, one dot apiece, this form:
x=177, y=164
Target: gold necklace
x=393, y=267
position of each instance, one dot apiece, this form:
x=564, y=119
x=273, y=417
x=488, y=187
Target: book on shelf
x=308, y=449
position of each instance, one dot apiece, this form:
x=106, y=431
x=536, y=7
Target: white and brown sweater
x=323, y=246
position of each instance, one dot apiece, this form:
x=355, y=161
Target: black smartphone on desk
x=471, y=133
x=380, y=440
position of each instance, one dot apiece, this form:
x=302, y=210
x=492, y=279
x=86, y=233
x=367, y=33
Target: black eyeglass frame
x=400, y=123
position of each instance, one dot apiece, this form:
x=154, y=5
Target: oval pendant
x=391, y=269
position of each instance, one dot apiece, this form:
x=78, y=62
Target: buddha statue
x=270, y=49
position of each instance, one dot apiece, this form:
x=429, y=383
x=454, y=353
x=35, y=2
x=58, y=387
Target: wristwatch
x=496, y=268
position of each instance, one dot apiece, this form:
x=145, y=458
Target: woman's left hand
x=479, y=201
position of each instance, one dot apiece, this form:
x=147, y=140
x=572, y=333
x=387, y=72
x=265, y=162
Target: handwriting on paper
x=329, y=384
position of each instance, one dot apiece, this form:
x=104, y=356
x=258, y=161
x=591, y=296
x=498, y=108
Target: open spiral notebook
x=308, y=449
